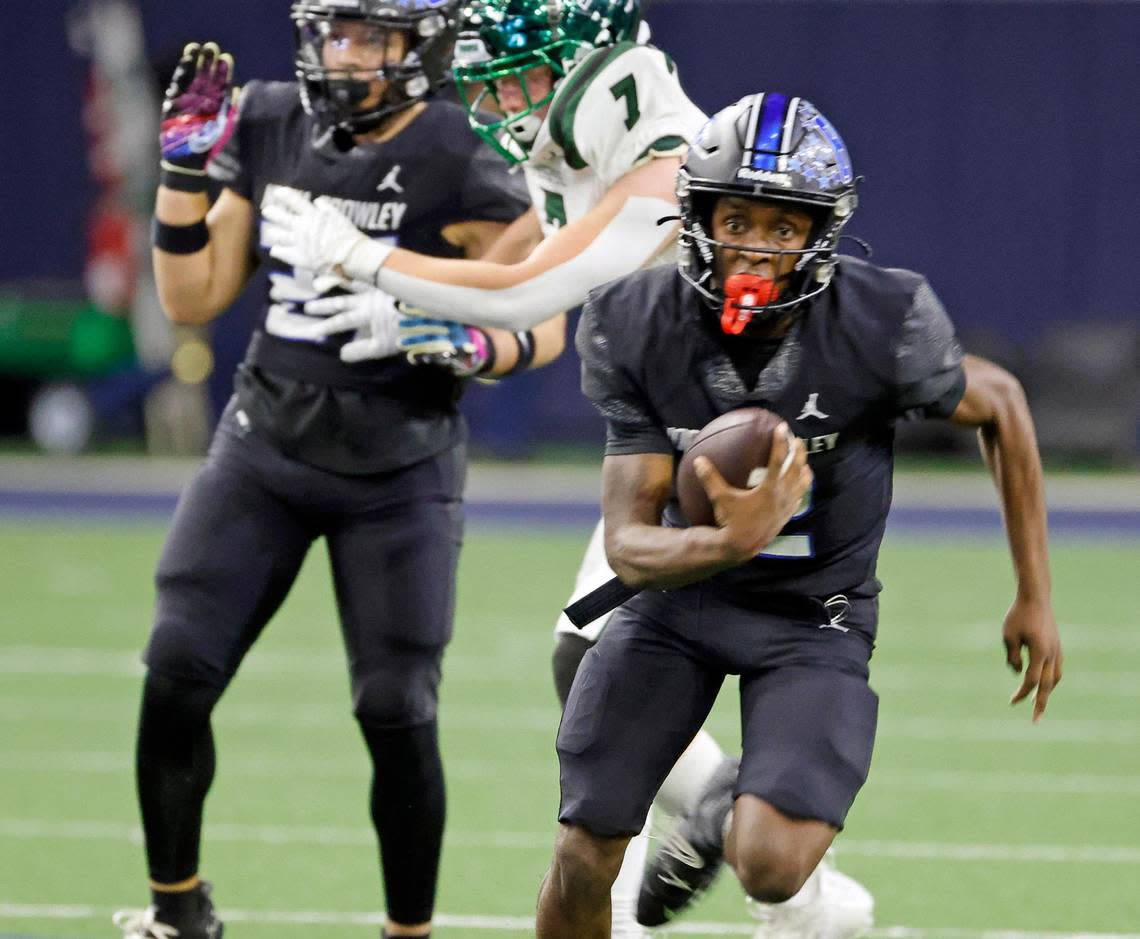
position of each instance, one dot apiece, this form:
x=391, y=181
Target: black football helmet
x=767, y=146
x=334, y=96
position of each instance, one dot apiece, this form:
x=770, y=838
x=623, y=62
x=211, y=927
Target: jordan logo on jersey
x=811, y=408
x=390, y=181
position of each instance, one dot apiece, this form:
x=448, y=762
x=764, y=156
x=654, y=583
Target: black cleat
x=692, y=855
x=201, y=922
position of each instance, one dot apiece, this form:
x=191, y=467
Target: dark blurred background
x=999, y=141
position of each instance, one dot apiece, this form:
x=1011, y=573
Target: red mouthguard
x=745, y=290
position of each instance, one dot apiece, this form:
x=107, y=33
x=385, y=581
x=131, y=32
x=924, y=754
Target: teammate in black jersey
x=315, y=443
x=763, y=312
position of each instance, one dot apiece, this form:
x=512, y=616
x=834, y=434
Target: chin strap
x=742, y=292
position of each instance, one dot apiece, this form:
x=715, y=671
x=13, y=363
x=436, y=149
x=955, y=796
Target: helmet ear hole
x=845, y=206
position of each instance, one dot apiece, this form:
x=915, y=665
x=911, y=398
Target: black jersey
x=876, y=346
x=382, y=414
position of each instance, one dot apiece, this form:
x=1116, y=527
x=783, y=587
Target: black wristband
x=179, y=239
x=525, y=342
x=183, y=180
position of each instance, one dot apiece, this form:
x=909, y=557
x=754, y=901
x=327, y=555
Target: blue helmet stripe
x=769, y=132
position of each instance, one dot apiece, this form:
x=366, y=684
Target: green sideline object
x=61, y=339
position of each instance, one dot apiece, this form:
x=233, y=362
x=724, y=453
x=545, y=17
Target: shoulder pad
x=564, y=108
x=618, y=107
x=268, y=100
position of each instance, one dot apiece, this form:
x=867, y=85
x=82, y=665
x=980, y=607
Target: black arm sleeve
x=929, y=379
x=631, y=426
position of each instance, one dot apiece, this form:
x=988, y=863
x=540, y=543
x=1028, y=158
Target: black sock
x=174, y=765
x=408, y=807
x=173, y=906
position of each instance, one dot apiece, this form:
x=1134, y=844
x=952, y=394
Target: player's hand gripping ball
x=739, y=444
x=199, y=110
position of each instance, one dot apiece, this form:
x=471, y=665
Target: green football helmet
x=501, y=39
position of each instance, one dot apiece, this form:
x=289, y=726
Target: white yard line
x=20, y=911
x=31, y=829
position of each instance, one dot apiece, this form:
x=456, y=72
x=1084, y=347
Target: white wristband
x=364, y=260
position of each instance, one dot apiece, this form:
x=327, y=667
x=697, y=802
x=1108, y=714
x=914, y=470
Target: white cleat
x=141, y=924
x=830, y=905
x=200, y=922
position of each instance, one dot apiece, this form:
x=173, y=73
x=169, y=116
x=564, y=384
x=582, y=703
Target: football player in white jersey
x=599, y=124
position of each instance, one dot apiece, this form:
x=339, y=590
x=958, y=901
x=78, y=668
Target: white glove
x=370, y=312
x=318, y=237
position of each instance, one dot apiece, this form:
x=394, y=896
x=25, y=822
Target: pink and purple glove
x=198, y=115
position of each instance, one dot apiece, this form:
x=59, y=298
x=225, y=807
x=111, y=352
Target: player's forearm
x=522, y=351
x=654, y=557
x=516, y=242
x=1009, y=446
x=556, y=277
x=191, y=287
x=478, y=293
x=549, y=340
x=183, y=280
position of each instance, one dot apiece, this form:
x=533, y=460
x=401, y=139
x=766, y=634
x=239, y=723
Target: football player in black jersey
x=368, y=454
x=762, y=311
x=598, y=124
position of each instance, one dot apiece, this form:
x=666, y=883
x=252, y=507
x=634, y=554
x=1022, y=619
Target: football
x=738, y=443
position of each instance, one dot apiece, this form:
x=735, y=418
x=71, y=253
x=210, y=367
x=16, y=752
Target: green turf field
x=973, y=822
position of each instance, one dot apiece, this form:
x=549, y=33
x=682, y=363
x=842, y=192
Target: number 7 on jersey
x=627, y=88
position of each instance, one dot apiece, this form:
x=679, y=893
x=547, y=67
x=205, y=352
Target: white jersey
x=618, y=108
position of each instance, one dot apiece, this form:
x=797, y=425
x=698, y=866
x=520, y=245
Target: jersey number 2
x=627, y=88
x=789, y=546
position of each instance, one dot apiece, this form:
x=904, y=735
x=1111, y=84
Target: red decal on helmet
x=745, y=290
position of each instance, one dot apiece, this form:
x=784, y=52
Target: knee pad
x=174, y=706
x=568, y=652
x=404, y=692
x=176, y=649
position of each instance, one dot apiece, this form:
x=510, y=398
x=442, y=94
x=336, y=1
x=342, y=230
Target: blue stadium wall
x=999, y=142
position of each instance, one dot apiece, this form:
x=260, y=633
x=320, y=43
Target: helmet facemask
x=785, y=153
x=477, y=76
x=399, y=55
